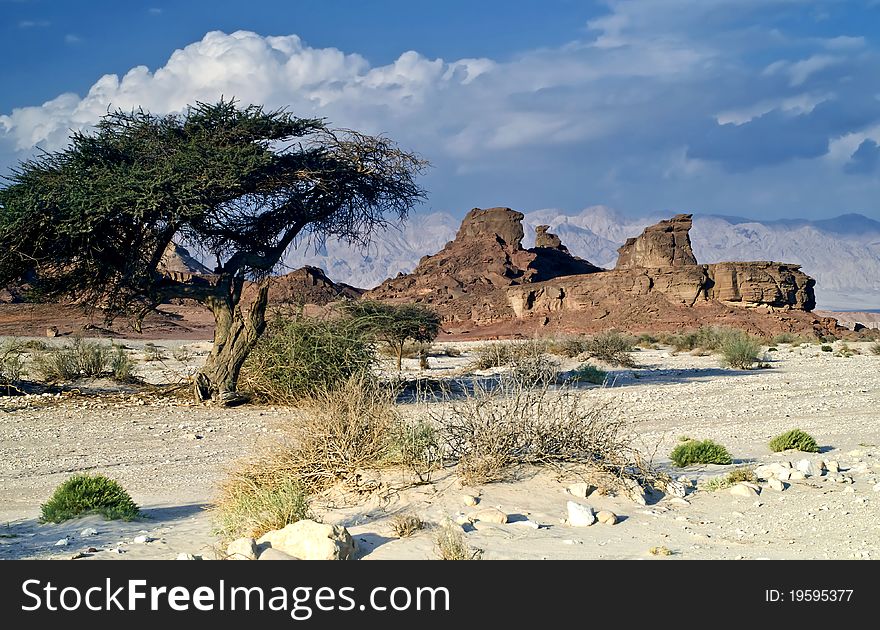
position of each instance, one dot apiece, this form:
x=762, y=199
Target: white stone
x=797, y=475
x=63, y=542
x=635, y=492
x=675, y=489
x=308, y=540
x=606, y=517
x=88, y=531
x=527, y=523
x=877, y=487
x=784, y=475
x=469, y=500
x=679, y=501
x=581, y=490
x=580, y=515
x=242, y=549
x=742, y=490
x=806, y=467
x=274, y=554
x=143, y=539
x=463, y=520
x=490, y=515
x=832, y=465
x=776, y=484
x=187, y=556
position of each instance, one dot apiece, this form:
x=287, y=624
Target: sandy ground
x=170, y=454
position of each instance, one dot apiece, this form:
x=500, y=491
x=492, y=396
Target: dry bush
x=11, y=365
x=405, y=525
x=875, y=348
x=570, y=346
x=450, y=544
x=152, y=352
x=613, y=348
x=494, y=429
x=415, y=446
x=82, y=359
x=507, y=353
x=250, y=505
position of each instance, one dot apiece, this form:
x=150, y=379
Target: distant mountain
x=842, y=253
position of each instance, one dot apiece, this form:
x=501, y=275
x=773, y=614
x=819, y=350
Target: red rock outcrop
x=666, y=244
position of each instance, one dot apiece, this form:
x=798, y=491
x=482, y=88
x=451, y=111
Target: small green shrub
x=613, y=348
x=741, y=474
x=587, y=373
x=121, y=366
x=826, y=348
x=794, y=440
x=875, y=348
x=415, y=446
x=80, y=359
x=89, y=494
x=507, y=353
x=302, y=356
x=694, y=452
x=740, y=351
x=250, y=506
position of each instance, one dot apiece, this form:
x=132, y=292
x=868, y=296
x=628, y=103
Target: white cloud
x=800, y=71
x=797, y=104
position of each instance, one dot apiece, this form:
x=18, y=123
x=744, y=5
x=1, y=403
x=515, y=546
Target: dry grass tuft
x=450, y=544
x=405, y=525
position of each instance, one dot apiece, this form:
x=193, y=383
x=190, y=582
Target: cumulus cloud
x=656, y=106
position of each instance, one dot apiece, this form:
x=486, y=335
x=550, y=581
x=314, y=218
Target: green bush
x=826, y=348
x=794, y=440
x=415, y=445
x=740, y=351
x=570, y=346
x=89, y=494
x=80, y=359
x=694, y=452
x=251, y=506
x=121, y=366
x=587, y=373
x=612, y=347
x=507, y=353
x=395, y=324
x=299, y=357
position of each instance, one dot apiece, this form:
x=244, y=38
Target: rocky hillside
x=843, y=253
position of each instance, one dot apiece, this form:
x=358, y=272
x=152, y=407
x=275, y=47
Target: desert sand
x=170, y=454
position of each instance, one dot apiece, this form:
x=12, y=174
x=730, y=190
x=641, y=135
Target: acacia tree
x=395, y=324
x=238, y=183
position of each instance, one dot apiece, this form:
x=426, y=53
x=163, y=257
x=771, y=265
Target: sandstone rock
x=743, y=490
x=784, y=475
x=675, y=489
x=776, y=484
x=87, y=532
x=463, y=520
x=666, y=244
x=806, y=467
x=635, y=491
x=607, y=517
x=242, y=549
x=581, y=490
x=832, y=465
x=270, y=553
x=796, y=475
x=52, y=331
x=308, y=540
x=469, y=500
x=306, y=285
x=580, y=515
x=490, y=515
x=143, y=539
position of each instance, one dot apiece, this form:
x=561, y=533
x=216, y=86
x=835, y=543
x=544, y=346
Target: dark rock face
x=666, y=244
x=545, y=239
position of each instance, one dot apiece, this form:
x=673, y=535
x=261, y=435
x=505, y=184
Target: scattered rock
x=187, y=556
x=308, y=540
x=242, y=549
x=776, y=484
x=580, y=515
x=143, y=539
x=469, y=500
x=274, y=554
x=806, y=467
x=490, y=515
x=79, y=555
x=463, y=520
x=581, y=490
x=743, y=490
x=661, y=550
x=675, y=489
x=877, y=487
x=116, y=551
x=607, y=517
x=527, y=523
x=785, y=475
x=832, y=465
x=92, y=550
x=635, y=491
x=88, y=531
x=63, y=542
x=679, y=501
x=52, y=331
x=796, y=475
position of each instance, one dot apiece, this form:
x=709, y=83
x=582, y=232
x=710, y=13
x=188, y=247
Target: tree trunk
x=235, y=335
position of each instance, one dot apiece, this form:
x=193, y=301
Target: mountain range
x=842, y=253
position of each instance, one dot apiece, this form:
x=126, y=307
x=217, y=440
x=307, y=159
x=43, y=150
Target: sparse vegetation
x=79, y=359
x=846, y=351
x=794, y=439
x=570, y=346
x=396, y=324
x=826, y=348
x=507, y=353
x=735, y=476
x=740, y=350
x=660, y=551
x=586, y=373
x=152, y=352
x=696, y=452
x=415, y=446
x=301, y=357
x=450, y=544
x=875, y=348
x=251, y=505
x=405, y=525
x=611, y=347
x=89, y=494
x=121, y=366
x=182, y=354
x=11, y=365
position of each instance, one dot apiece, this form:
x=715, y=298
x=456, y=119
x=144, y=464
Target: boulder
x=242, y=549
x=309, y=540
x=580, y=515
x=490, y=515
x=271, y=553
x=666, y=244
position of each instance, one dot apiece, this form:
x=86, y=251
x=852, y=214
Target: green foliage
x=794, y=440
x=415, y=445
x=611, y=347
x=695, y=452
x=741, y=474
x=121, y=366
x=826, y=348
x=587, y=373
x=570, y=346
x=89, y=494
x=80, y=359
x=395, y=324
x=251, y=506
x=298, y=357
x=740, y=350
x=507, y=353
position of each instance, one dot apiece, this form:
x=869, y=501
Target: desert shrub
x=415, y=446
x=772, y=349
x=89, y=494
x=11, y=365
x=300, y=357
x=695, y=452
x=181, y=354
x=507, y=353
x=451, y=351
x=395, y=324
x=570, y=346
x=740, y=351
x=152, y=352
x=80, y=359
x=875, y=348
x=741, y=474
x=491, y=430
x=587, y=373
x=846, y=351
x=535, y=371
x=826, y=348
x=405, y=525
x=121, y=366
x=450, y=544
x=647, y=340
x=251, y=506
x=794, y=440
x=611, y=347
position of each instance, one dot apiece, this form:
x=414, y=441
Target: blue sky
x=757, y=108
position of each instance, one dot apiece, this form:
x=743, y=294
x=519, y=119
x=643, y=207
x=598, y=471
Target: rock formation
x=309, y=285
x=484, y=282
x=666, y=244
